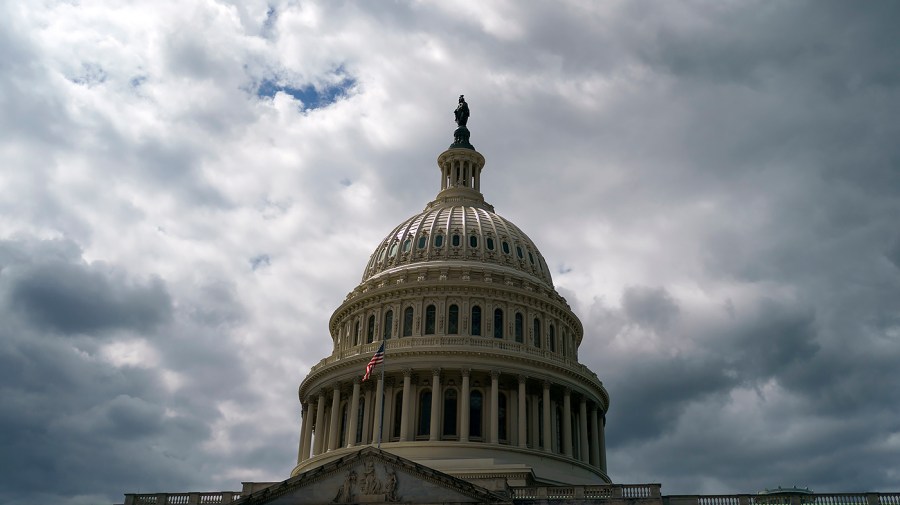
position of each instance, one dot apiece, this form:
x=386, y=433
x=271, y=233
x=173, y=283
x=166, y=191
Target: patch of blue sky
x=311, y=96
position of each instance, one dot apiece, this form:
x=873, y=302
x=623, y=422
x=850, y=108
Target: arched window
x=537, y=333
x=476, y=411
x=394, y=247
x=407, y=321
x=398, y=413
x=407, y=245
x=518, y=251
x=429, y=320
x=505, y=246
x=360, y=415
x=450, y=403
x=455, y=240
x=370, y=330
x=501, y=415
x=388, y=324
x=423, y=240
x=552, y=339
x=498, y=323
x=356, y=333
x=423, y=428
x=453, y=320
x=520, y=330
x=438, y=241
x=490, y=243
x=473, y=241
x=476, y=320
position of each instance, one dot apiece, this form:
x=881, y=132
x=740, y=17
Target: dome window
x=423, y=241
x=453, y=320
x=407, y=322
x=394, y=249
x=505, y=247
x=439, y=240
x=388, y=325
x=498, y=323
x=407, y=244
x=473, y=241
x=518, y=253
x=429, y=320
x=531, y=257
x=490, y=243
x=519, y=327
x=383, y=254
x=455, y=240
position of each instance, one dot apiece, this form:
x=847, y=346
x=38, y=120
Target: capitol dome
x=480, y=378
x=447, y=232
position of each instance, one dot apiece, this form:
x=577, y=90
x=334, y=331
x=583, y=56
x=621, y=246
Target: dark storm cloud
x=77, y=298
x=653, y=307
x=80, y=426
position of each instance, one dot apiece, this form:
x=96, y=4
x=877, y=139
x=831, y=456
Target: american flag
x=376, y=359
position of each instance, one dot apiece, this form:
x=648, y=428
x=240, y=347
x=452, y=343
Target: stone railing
x=459, y=342
x=621, y=493
x=786, y=499
x=208, y=498
x=610, y=492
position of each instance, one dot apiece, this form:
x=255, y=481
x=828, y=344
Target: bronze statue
x=461, y=112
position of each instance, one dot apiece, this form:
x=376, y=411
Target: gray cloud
x=74, y=298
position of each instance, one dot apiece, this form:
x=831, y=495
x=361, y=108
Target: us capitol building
x=480, y=397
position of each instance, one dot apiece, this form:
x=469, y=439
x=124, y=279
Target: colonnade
x=484, y=406
x=461, y=171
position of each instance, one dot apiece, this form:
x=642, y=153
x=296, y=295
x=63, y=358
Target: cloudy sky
x=189, y=188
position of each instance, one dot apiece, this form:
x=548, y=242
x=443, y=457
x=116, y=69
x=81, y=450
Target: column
x=377, y=411
x=495, y=406
x=305, y=429
x=522, y=423
x=602, y=442
x=548, y=434
x=567, y=423
x=320, y=424
x=334, y=430
x=436, y=402
x=535, y=425
x=464, y=411
x=405, y=415
x=595, y=437
x=583, y=429
x=354, y=414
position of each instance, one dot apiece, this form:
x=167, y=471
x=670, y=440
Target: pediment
x=372, y=476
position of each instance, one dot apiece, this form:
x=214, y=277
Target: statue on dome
x=462, y=112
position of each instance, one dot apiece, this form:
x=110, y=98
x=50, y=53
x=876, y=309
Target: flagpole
x=381, y=393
